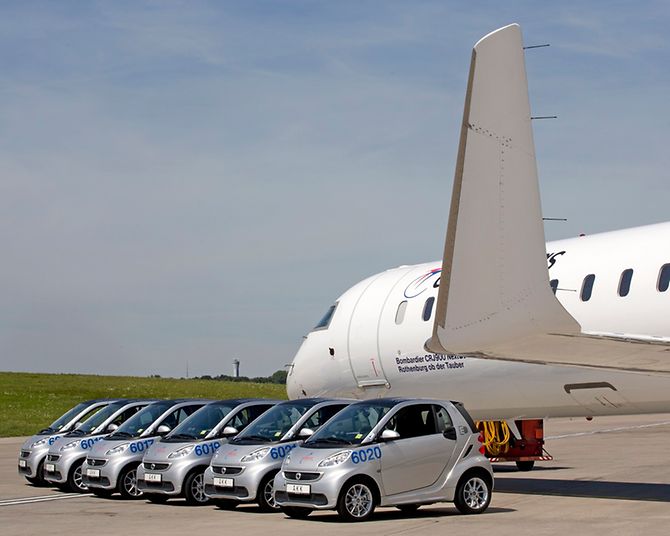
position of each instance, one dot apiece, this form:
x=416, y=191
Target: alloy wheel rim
x=78, y=479
x=475, y=493
x=198, y=488
x=268, y=494
x=358, y=500
x=130, y=484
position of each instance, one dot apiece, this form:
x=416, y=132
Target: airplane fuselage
x=373, y=345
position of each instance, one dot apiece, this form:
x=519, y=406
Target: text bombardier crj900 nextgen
x=490, y=325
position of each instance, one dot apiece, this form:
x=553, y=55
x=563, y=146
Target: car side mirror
x=305, y=433
x=389, y=435
x=450, y=433
x=163, y=429
x=230, y=431
x=112, y=427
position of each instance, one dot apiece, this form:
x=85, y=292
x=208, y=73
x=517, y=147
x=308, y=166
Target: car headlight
x=335, y=459
x=256, y=455
x=118, y=449
x=180, y=453
x=70, y=445
x=39, y=443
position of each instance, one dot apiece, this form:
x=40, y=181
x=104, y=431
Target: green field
x=29, y=402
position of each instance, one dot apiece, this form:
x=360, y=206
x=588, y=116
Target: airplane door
x=597, y=397
x=364, y=356
x=422, y=453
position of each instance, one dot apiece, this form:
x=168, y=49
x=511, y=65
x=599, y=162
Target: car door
x=422, y=452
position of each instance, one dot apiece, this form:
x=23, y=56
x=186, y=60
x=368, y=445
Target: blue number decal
x=366, y=455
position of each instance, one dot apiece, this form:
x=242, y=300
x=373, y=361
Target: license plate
x=22, y=463
x=152, y=477
x=298, y=489
x=223, y=482
x=93, y=473
x=49, y=467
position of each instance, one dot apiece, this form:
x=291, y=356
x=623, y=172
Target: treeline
x=277, y=377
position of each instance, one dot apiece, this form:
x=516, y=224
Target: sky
x=185, y=183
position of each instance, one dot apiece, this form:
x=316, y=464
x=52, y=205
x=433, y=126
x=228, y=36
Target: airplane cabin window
x=587, y=287
x=428, y=309
x=325, y=321
x=400, y=313
x=664, y=278
x=624, y=282
x=554, y=285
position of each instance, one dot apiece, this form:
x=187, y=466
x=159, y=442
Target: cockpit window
x=325, y=321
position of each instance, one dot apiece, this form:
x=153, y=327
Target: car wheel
x=156, y=498
x=473, y=494
x=38, y=479
x=525, y=466
x=296, y=512
x=266, y=496
x=128, y=483
x=194, y=488
x=356, y=502
x=99, y=492
x=408, y=508
x=75, y=482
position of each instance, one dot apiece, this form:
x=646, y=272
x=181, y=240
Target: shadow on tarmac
x=427, y=512
x=597, y=489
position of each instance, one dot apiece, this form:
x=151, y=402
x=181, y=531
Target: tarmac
x=609, y=476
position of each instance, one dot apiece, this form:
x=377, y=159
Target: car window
x=442, y=419
x=322, y=415
x=413, y=421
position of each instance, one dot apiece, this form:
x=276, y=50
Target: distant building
x=236, y=368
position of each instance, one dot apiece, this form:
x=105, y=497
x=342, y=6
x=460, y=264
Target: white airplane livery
x=513, y=327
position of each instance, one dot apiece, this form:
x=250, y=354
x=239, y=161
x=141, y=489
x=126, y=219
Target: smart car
x=243, y=470
x=174, y=466
x=388, y=452
x=34, y=451
x=111, y=465
x=62, y=466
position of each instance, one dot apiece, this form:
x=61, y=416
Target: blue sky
x=198, y=181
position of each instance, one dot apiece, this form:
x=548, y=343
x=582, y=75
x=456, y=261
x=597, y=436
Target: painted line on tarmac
x=609, y=430
x=43, y=498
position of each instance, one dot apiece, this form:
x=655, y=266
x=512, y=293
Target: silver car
x=112, y=463
x=63, y=464
x=243, y=470
x=34, y=450
x=388, y=452
x=174, y=466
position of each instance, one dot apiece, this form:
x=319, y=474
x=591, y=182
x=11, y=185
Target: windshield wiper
x=253, y=438
x=77, y=432
x=46, y=431
x=331, y=440
x=182, y=436
x=121, y=433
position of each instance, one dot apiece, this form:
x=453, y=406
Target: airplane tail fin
x=494, y=299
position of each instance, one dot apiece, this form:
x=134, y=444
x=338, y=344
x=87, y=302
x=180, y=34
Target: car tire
x=525, y=466
x=265, y=494
x=408, y=508
x=473, y=494
x=296, y=512
x=194, y=488
x=127, y=484
x=99, y=492
x=357, y=501
x=156, y=498
x=38, y=479
x=75, y=482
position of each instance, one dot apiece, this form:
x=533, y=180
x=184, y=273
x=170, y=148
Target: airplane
x=513, y=327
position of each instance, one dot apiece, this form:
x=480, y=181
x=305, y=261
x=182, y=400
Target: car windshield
x=202, y=422
x=90, y=424
x=59, y=423
x=274, y=423
x=351, y=425
x=142, y=420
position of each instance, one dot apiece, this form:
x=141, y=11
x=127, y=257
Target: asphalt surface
x=610, y=476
